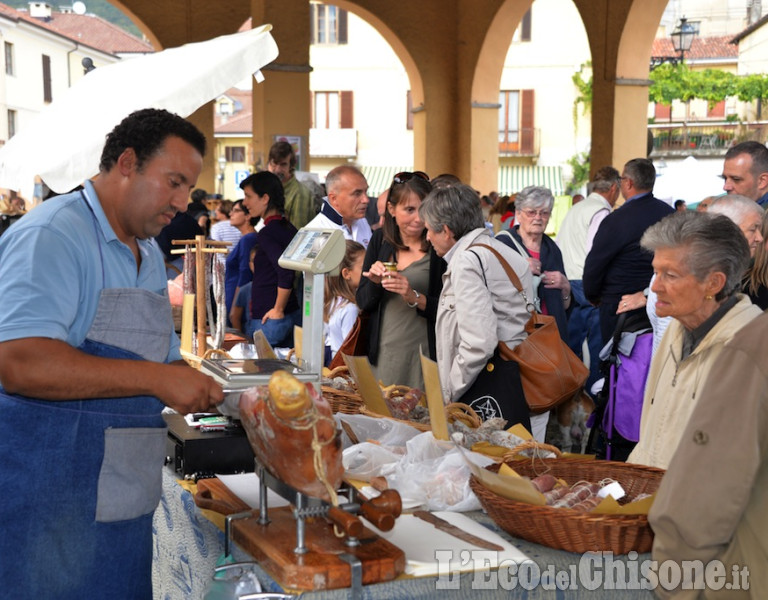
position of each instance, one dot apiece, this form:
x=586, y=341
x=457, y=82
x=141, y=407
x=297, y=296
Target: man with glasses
x=575, y=238
x=616, y=264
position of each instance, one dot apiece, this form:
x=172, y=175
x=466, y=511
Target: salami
x=579, y=491
x=544, y=483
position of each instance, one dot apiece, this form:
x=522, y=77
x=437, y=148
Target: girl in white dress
x=339, y=309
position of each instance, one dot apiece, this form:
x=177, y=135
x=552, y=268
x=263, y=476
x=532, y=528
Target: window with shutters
x=662, y=112
x=328, y=24
x=234, y=154
x=11, y=123
x=47, y=90
x=517, y=134
x=717, y=111
x=332, y=110
x=523, y=31
x=9, y=66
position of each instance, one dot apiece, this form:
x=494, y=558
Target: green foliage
x=579, y=164
x=101, y=8
x=678, y=82
x=584, y=88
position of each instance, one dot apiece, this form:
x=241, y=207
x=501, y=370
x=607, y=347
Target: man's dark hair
x=280, y=151
x=146, y=131
x=445, y=180
x=265, y=182
x=756, y=150
x=642, y=173
x=198, y=195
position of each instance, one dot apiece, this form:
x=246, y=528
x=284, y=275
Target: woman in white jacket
x=478, y=305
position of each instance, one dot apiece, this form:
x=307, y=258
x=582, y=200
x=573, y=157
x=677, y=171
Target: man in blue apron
x=88, y=360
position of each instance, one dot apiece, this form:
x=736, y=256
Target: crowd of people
x=435, y=269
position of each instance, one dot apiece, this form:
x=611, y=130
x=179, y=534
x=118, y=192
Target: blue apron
x=80, y=479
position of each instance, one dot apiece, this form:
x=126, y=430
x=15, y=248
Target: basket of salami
x=567, y=521
x=338, y=387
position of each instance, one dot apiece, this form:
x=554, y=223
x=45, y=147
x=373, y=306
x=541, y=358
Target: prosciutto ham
x=287, y=423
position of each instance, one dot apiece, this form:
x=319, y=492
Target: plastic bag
x=365, y=460
x=386, y=432
x=432, y=473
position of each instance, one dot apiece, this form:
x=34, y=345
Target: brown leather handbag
x=550, y=371
x=356, y=342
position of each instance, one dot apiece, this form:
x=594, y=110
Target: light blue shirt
x=54, y=263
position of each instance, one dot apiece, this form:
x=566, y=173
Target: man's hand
x=186, y=390
x=53, y=370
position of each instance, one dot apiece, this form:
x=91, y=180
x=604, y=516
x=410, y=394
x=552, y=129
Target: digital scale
x=196, y=453
x=314, y=252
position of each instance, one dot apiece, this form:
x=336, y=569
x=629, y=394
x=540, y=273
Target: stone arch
x=484, y=152
x=630, y=127
x=414, y=76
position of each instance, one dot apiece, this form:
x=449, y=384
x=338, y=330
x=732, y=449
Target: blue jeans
x=279, y=332
x=584, y=324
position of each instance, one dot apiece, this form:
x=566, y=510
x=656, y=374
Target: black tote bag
x=498, y=392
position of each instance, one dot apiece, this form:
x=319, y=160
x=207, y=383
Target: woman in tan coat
x=699, y=260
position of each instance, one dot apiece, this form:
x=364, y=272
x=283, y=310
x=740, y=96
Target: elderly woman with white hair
x=478, y=306
x=533, y=207
x=746, y=213
x=699, y=260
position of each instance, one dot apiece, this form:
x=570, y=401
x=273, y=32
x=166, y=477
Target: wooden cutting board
x=272, y=546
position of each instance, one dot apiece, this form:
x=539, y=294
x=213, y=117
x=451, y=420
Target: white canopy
x=687, y=180
x=64, y=143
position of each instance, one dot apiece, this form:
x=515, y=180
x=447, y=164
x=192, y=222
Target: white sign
x=240, y=175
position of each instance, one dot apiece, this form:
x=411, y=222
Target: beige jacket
x=713, y=500
x=478, y=306
x=674, y=386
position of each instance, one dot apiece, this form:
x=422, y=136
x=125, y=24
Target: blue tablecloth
x=187, y=546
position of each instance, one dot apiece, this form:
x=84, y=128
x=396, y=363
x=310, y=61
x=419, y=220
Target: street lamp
x=682, y=39
x=222, y=166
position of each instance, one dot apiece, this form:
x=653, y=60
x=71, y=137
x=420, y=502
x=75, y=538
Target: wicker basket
x=344, y=401
x=566, y=529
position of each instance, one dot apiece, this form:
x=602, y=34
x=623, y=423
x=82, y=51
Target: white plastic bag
x=386, y=432
x=431, y=473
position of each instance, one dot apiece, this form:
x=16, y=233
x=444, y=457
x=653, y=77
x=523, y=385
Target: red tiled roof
x=702, y=48
x=242, y=120
x=98, y=33
x=88, y=30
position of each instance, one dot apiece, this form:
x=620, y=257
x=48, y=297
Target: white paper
x=407, y=503
x=612, y=489
x=246, y=487
x=421, y=540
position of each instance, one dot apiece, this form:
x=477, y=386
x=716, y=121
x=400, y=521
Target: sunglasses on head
x=408, y=175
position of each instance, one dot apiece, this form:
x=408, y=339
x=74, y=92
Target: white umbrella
x=688, y=180
x=64, y=143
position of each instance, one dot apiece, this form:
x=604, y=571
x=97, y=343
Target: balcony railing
x=523, y=142
x=710, y=139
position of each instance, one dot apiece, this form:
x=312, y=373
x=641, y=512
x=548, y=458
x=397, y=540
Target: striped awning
x=380, y=178
x=513, y=178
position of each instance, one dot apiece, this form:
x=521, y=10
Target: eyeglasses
x=407, y=176
x=237, y=210
x=530, y=213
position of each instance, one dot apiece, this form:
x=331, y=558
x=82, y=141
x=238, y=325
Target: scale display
x=314, y=251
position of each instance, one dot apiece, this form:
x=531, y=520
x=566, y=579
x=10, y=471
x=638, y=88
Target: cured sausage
x=284, y=422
